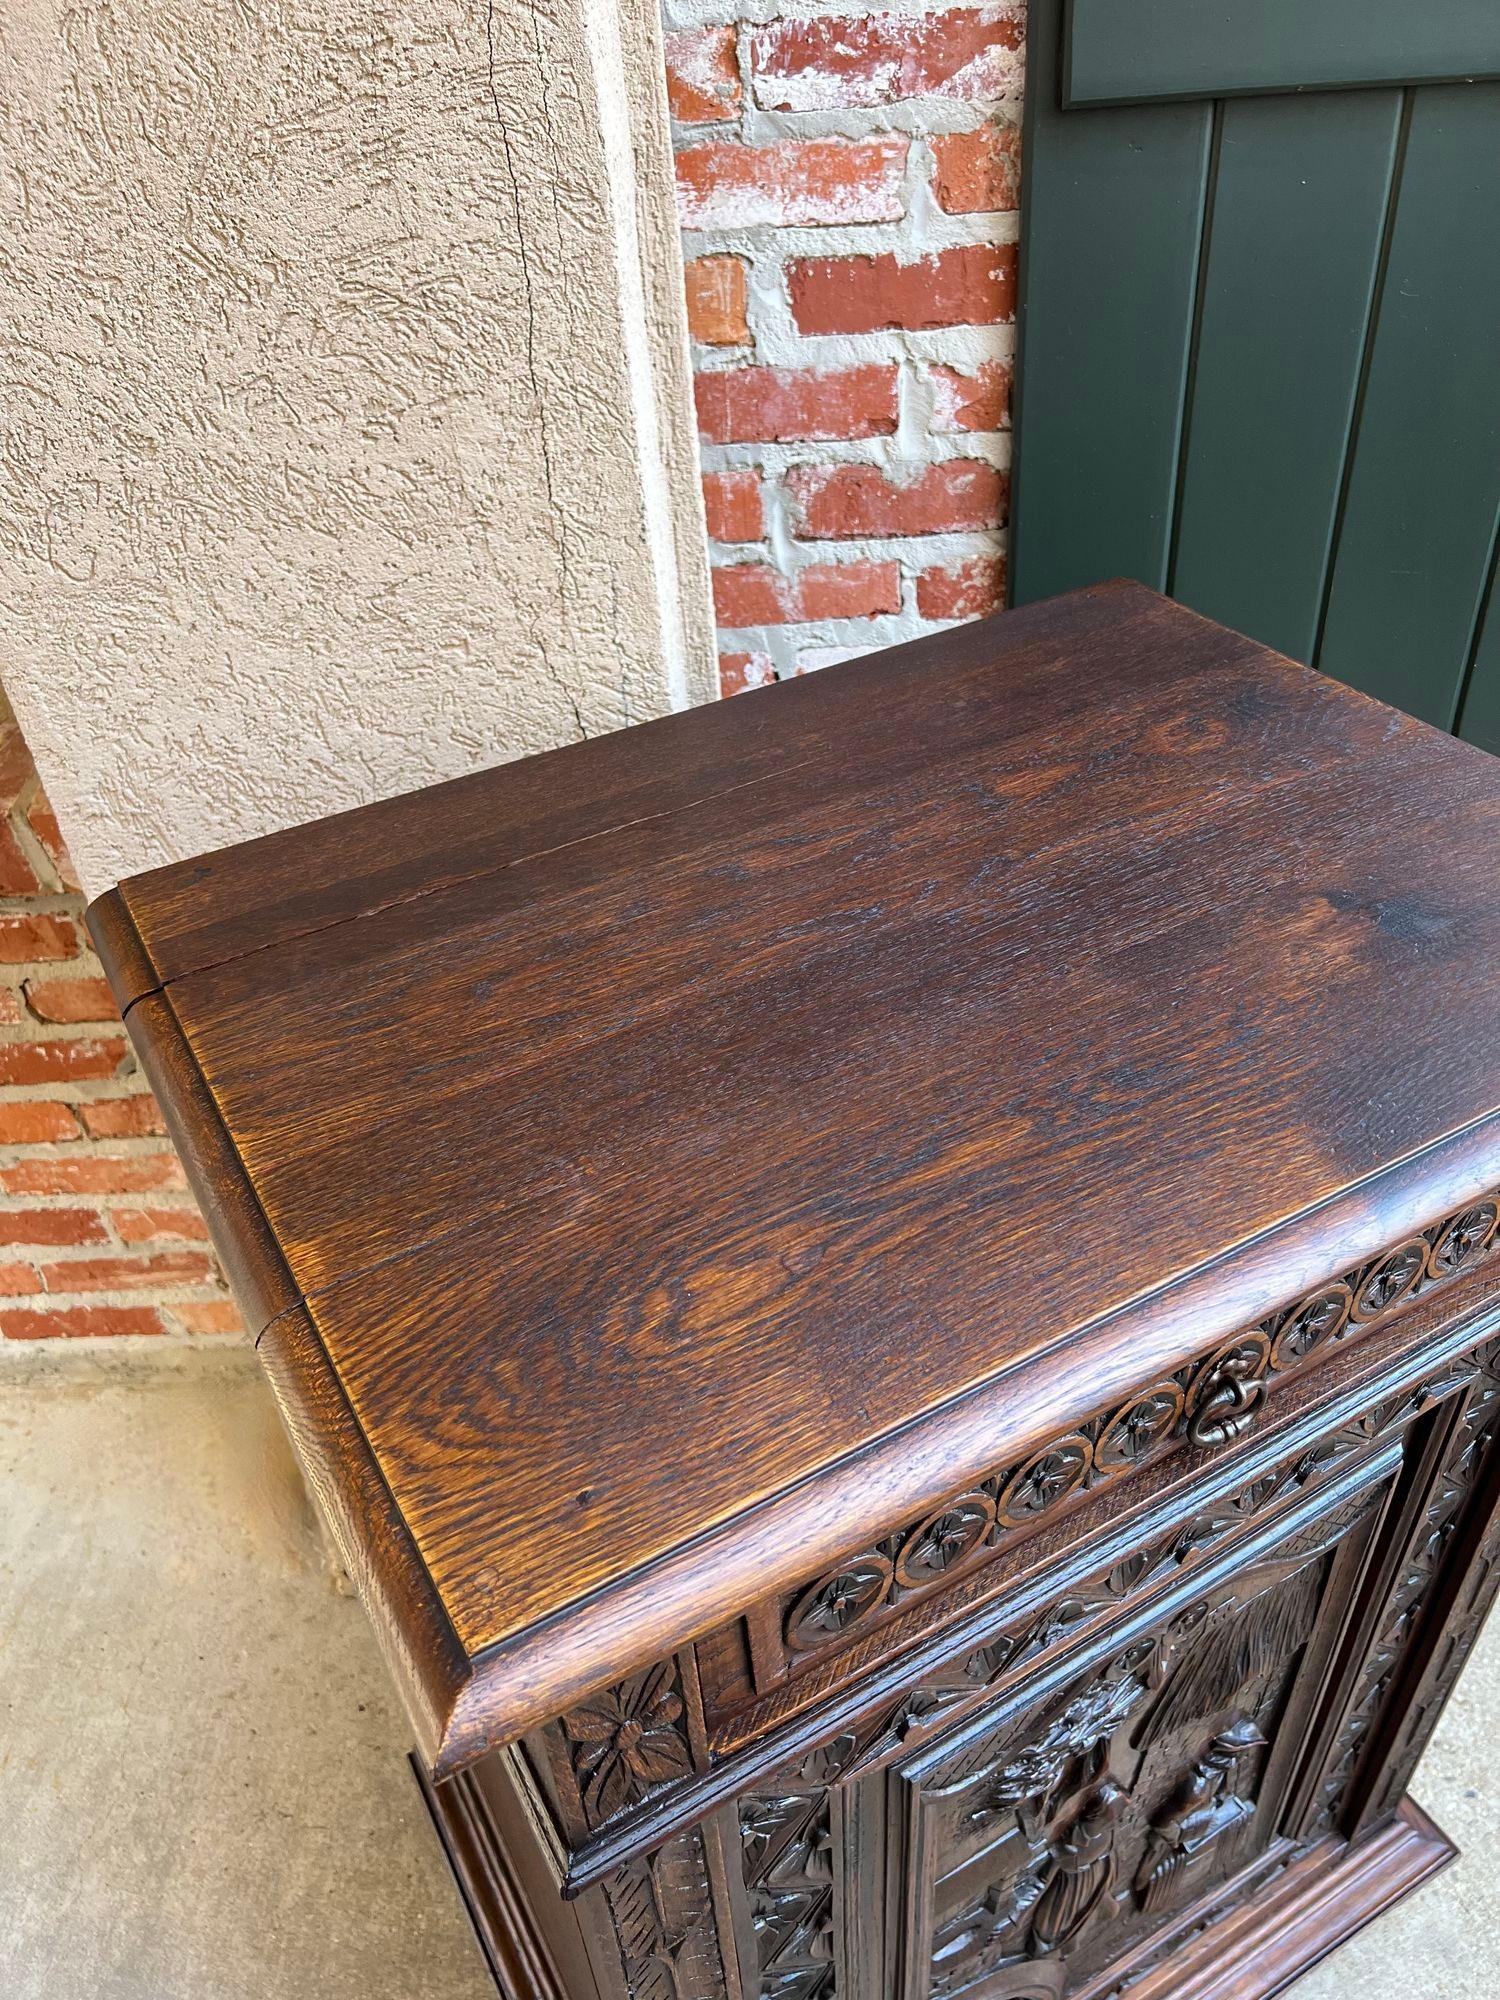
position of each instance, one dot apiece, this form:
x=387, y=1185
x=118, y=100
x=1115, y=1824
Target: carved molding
x=1212, y=1403
x=661, y=1911
x=630, y=1745
x=787, y=1856
x=1474, y=1440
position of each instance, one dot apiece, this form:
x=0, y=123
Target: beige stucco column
x=346, y=440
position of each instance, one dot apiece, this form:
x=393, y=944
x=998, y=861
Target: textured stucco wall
x=347, y=442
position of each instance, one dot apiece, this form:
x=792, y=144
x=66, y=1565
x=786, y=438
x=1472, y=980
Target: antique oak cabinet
x=890, y=1291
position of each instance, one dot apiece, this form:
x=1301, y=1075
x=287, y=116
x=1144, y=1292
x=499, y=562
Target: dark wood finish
x=1253, y=1945
x=892, y=1293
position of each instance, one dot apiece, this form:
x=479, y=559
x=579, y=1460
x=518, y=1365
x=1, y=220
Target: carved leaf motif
x=945, y=1539
x=1134, y=1432
x=1462, y=1240
x=662, y=1913
x=1322, y=1317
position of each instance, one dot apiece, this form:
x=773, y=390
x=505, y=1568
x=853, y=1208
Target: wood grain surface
x=699, y=1146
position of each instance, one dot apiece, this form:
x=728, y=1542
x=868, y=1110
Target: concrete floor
x=202, y=1787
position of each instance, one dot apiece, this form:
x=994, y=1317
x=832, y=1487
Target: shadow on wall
x=99, y=1235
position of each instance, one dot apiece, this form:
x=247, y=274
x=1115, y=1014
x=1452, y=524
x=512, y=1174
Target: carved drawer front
x=1019, y=1854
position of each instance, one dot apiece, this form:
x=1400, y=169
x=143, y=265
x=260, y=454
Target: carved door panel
x=1059, y=1830
x=1016, y=1854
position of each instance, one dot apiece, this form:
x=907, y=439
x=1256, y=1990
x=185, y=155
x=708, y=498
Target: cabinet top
x=658, y=1163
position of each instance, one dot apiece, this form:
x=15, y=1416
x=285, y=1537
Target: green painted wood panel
x=1479, y=715
x=1294, y=240
x=1112, y=205
x=1414, y=544
x=1152, y=49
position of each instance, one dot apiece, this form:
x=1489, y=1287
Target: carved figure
x=1083, y=1869
x=1205, y=1808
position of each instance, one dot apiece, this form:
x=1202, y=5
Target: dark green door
x=1260, y=327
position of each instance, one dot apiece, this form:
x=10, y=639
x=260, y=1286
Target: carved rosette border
x=631, y=1744
x=1210, y=1403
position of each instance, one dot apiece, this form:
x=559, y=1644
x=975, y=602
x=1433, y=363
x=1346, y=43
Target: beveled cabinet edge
x=128, y=965
x=247, y=1246
x=418, y=1641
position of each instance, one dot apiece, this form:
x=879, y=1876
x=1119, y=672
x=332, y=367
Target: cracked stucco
x=347, y=442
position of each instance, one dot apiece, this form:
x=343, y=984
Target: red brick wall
x=847, y=185
x=98, y=1233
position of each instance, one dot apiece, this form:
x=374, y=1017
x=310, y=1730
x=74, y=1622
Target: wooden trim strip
x=262, y=1281
x=419, y=1644
x=128, y=965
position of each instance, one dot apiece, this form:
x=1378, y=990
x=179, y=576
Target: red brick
x=977, y=172
x=16, y=767
x=766, y=405
x=977, y=402
x=208, y=1316
x=71, y=1000
x=739, y=672
x=844, y=60
x=79, y=1322
x=51, y=1225
x=151, y=1225
x=60, y=1062
x=17, y=876
x=801, y=181
x=100, y=1173
x=137, y=1117
x=129, y=1274
x=18, y=1281
x=974, y=285
x=36, y=1124
x=25, y=938
x=703, y=75
x=43, y=822
x=841, y=502
x=756, y=594
x=733, y=506
x=717, y=291
x=971, y=590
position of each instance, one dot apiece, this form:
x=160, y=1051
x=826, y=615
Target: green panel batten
x=1153, y=49
x=1294, y=242
x=1259, y=359
x=1112, y=206
x=1412, y=554
x=1479, y=715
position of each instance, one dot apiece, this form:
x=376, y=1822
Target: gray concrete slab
x=202, y=1787
x=203, y=1793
